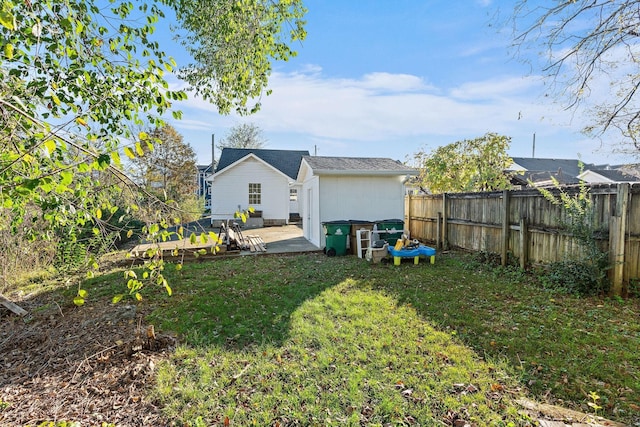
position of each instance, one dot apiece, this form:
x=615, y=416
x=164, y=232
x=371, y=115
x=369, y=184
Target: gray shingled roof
x=568, y=166
x=542, y=178
x=286, y=161
x=357, y=164
x=616, y=175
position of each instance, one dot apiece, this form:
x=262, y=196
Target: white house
x=344, y=188
x=262, y=179
x=610, y=176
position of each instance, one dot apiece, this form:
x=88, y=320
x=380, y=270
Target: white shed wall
x=231, y=188
x=369, y=198
x=310, y=212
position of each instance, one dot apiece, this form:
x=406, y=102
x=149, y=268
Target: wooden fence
x=526, y=225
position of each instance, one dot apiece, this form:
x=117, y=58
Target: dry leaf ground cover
x=311, y=340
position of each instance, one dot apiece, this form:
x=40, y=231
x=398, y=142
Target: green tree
x=77, y=76
x=588, y=45
x=465, y=166
x=168, y=168
x=236, y=41
x=245, y=135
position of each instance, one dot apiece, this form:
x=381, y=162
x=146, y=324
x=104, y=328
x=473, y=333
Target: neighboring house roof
x=322, y=165
x=204, y=168
x=543, y=178
x=286, y=161
x=609, y=175
x=567, y=166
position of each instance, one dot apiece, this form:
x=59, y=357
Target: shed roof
x=357, y=165
x=286, y=161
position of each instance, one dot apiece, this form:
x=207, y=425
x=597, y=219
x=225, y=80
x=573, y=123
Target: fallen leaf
x=497, y=387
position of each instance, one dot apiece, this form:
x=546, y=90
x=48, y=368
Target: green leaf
x=8, y=51
x=79, y=301
x=82, y=293
x=139, y=149
x=67, y=178
x=50, y=144
x=129, y=152
x=115, y=157
x=117, y=298
x=7, y=19
x=193, y=239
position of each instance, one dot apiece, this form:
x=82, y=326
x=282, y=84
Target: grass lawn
x=311, y=340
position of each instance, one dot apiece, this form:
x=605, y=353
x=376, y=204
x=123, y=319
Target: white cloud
x=380, y=113
x=498, y=87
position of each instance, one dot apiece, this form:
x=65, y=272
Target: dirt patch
x=87, y=364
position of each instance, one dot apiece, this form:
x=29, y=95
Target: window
x=293, y=195
x=255, y=194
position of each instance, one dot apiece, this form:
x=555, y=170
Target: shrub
x=578, y=277
x=587, y=274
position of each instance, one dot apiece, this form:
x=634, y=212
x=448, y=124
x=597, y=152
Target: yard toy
x=412, y=253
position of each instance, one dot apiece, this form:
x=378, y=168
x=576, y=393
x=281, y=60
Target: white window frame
x=255, y=193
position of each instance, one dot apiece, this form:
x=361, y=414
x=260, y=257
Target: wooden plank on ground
x=258, y=243
x=14, y=308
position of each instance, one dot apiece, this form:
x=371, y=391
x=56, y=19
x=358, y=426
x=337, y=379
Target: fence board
x=474, y=221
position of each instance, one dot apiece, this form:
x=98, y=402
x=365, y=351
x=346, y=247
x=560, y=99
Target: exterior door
x=308, y=214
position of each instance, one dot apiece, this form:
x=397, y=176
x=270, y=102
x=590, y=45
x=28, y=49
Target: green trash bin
x=394, y=229
x=336, y=235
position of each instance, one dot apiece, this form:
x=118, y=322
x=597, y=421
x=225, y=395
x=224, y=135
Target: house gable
x=267, y=174
x=286, y=162
x=247, y=159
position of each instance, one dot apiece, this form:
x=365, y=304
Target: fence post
x=524, y=243
x=445, y=242
x=617, y=231
x=439, y=231
x=505, y=227
x=407, y=212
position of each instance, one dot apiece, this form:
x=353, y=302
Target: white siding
x=294, y=206
x=310, y=203
x=230, y=189
x=593, y=177
x=369, y=198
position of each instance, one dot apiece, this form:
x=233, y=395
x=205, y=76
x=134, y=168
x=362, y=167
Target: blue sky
x=380, y=78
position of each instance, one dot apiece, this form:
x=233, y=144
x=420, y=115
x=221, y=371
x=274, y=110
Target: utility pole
x=213, y=151
x=533, y=154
